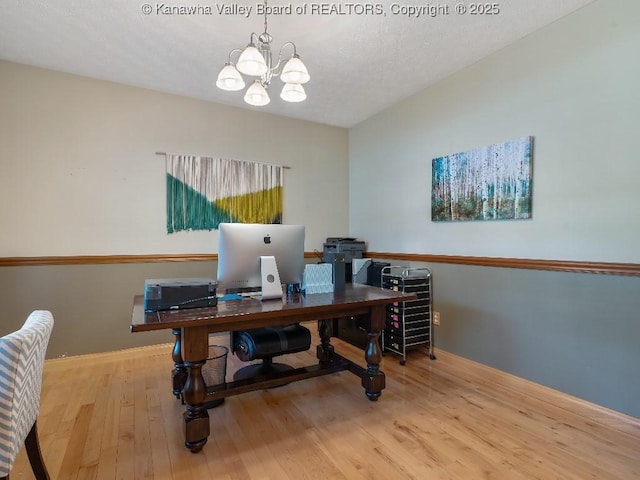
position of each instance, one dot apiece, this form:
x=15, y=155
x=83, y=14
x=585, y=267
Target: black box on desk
x=177, y=293
x=374, y=273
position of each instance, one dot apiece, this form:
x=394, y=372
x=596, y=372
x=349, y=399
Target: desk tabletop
x=251, y=312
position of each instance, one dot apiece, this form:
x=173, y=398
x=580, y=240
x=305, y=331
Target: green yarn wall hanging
x=202, y=192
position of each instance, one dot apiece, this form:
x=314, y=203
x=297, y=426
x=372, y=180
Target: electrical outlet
x=436, y=318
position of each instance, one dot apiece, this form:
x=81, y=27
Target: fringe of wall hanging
x=203, y=192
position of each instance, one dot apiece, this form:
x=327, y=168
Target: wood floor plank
x=77, y=439
x=158, y=443
x=289, y=428
x=143, y=458
x=267, y=447
x=113, y=416
x=125, y=468
x=93, y=444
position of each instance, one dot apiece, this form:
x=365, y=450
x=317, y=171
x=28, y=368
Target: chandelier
x=256, y=60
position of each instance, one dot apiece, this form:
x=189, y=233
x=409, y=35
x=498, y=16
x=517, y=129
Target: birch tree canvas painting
x=487, y=183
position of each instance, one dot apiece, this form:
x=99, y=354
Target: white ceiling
x=359, y=64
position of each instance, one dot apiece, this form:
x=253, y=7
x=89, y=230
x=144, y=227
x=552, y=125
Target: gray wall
x=79, y=173
x=91, y=304
x=577, y=333
x=574, y=87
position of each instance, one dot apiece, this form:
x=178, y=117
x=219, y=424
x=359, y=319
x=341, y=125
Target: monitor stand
x=271, y=286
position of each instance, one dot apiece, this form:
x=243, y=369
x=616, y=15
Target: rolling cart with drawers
x=408, y=324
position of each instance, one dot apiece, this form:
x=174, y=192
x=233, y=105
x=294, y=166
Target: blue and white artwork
x=487, y=183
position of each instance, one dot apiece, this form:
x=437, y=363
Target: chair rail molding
x=575, y=266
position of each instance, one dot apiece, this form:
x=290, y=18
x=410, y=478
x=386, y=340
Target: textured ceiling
x=360, y=64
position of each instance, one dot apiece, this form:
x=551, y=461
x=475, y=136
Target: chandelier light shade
x=230, y=79
x=257, y=95
x=294, y=71
x=293, y=92
x=251, y=62
x=256, y=60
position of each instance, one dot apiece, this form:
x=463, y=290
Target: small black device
x=374, y=273
x=178, y=293
x=339, y=272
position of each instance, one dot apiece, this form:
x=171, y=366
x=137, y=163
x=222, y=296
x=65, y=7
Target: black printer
x=177, y=293
x=350, y=247
x=343, y=247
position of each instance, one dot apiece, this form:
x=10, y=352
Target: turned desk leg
x=196, y=418
x=179, y=372
x=325, y=350
x=195, y=348
x=373, y=380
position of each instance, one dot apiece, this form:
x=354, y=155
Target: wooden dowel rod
x=283, y=166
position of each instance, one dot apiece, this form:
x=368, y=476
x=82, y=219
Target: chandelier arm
x=277, y=65
x=257, y=38
x=235, y=50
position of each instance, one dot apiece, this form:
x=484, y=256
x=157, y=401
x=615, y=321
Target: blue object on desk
x=230, y=296
x=317, y=278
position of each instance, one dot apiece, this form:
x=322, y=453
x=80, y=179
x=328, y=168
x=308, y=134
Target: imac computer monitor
x=246, y=252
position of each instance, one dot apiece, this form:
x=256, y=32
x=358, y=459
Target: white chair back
x=22, y=356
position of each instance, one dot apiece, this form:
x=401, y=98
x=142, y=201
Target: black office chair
x=266, y=343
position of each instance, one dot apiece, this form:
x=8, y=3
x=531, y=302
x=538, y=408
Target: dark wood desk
x=193, y=326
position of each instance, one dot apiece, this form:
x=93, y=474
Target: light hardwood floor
x=112, y=416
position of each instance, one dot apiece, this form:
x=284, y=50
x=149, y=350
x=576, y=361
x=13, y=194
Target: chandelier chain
x=265, y=16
